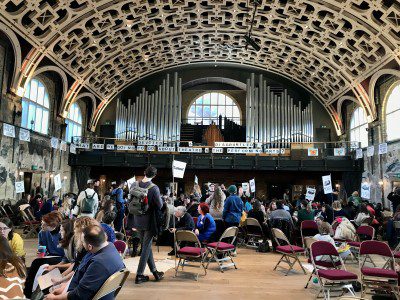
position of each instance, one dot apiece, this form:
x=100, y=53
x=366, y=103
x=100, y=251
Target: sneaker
x=158, y=275
x=141, y=279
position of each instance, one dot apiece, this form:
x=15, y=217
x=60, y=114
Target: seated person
x=46, y=208
x=305, y=213
x=192, y=206
x=345, y=230
x=183, y=221
x=14, y=239
x=92, y=273
x=280, y=213
x=205, y=224
x=108, y=219
x=256, y=212
x=49, y=237
x=363, y=215
x=12, y=272
x=337, y=210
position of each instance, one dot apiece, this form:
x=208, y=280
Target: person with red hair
x=205, y=224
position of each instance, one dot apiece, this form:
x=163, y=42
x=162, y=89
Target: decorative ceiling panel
x=327, y=46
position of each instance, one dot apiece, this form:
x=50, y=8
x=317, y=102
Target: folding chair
x=307, y=242
x=194, y=253
x=254, y=232
x=290, y=253
x=225, y=249
x=396, y=252
x=31, y=225
x=121, y=247
x=113, y=284
x=333, y=277
x=364, y=232
x=308, y=228
x=378, y=279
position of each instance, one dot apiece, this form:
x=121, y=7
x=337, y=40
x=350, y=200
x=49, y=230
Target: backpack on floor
x=88, y=203
x=264, y=247
x=139, y=204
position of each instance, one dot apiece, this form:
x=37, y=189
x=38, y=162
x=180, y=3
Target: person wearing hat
x=233, y=208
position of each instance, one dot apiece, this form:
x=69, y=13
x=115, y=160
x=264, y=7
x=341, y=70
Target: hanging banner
x=151, y=148
x=359, y=153
x=196, y=180
x=243, y=151
x=206, y=150
x=312, y=151
x=54, y=142
x=82, y=146
x=245, y=186
x=166, y=149
x=383, y=148
x=274, y=151
x=19, y=187
x=24, y=135
x=97, y=146
x=72, y=149
x=327, y=183
x=252, y=185
x=370, y=151
x=310, y=194
x=110, y=147
x=141, y=148
x=365, y=190
x=57, y=182
x=63, y=146
x=339, y=151
x=126, y=148
x=178, y=168
x=150, y=143
x=217, y=150
x=233, y=144
x=8, y=130
x=190, y=150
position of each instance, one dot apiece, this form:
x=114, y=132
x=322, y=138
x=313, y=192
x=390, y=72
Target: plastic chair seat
x=378, y=272
x=337, y=275
x=288, y=249
x=191, y=251
x=222, y=246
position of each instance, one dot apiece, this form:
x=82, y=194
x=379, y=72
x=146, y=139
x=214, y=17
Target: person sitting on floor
x=91, y=275
x=205, y=224
x=15, y=240
x=12, y=272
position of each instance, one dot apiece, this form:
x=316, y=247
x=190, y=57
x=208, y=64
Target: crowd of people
x=78, y=231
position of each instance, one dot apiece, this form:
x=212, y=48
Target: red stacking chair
x=194, y=253
x=290, y=253
x=308, y=228
x=333, y=276
x=254, y=232
x=224, y=247
x=378, y=279
x=365, y=231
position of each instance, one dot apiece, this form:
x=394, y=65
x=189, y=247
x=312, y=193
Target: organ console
x=273, y=118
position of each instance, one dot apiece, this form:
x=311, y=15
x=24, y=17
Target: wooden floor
x=254, y=279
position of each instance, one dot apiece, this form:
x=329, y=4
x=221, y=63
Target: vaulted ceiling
x=328, y=46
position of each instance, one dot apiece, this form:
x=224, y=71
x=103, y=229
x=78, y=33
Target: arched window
x=358, y=127
x=208, y=107
x=74, y=122
x=35, y=107
x=393, y=114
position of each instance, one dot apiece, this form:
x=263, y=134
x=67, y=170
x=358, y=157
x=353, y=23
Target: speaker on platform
x=108, y=131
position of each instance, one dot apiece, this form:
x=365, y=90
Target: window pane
x=192, y=111
x=199, y=101
x=40, y=96
x=214, y=98
x=229, y=101
x=31, y=115
x=206, y=99
x=24, y=119
x=199, y=111
x=27, y=90
x=34, y=90
x=221, y=99
x=45, y=121
x=393, y=126
x=236, y=113
x=46, y=101
x=229, y=111
x=38, y=119
x=214, y=111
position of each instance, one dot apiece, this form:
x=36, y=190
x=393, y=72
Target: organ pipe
x=273, y=117
x=155, y=116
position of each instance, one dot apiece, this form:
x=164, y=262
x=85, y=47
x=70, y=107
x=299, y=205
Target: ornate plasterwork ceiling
x=328, y=46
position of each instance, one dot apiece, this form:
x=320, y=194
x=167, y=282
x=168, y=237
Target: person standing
x=88, y=201
x=233, y=208
x=118, y=196
x=147, y=226
x=394, y=197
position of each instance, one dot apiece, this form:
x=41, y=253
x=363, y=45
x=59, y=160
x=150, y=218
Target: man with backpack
x=118, y=196
x=145, y=206
x=88, y=201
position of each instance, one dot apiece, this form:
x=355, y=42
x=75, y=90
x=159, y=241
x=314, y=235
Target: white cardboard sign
x=252, y=185
x=383, y=149
x=178, y=168
x=24, y=135
x=57, y=182
x=19, y=187
x=370, y=151
x=310, y=194
x=327, y=183
x=365, y=190
x=359, y=153
x=8, y=130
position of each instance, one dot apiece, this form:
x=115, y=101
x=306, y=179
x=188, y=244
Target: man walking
x=146, y=224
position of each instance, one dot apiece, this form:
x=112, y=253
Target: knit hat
x=232, y=189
